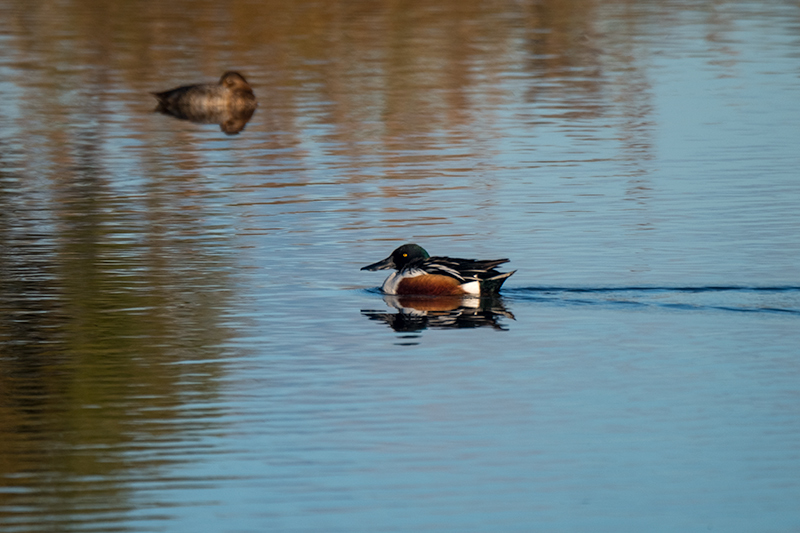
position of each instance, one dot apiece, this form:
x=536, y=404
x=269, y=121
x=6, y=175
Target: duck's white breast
x=392, y=282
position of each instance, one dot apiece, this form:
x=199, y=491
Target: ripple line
x=635, y=288
x=783, y=299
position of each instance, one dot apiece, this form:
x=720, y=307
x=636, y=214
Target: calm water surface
x=187, y=342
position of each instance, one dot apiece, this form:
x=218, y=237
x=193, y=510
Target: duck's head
x=234, y=80
x=400, y=258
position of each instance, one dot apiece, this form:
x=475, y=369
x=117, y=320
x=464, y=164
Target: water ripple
x=778, y=299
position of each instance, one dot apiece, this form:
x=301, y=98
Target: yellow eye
x=405, y=255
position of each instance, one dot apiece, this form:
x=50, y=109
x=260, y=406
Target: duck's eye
x=405, y=255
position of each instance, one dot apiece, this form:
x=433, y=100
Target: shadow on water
x=784, y=300
x=417, y=313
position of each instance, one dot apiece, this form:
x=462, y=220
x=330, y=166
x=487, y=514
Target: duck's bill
x=386, y=264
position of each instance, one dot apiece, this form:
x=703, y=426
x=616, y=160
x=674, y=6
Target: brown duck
x=231, y=101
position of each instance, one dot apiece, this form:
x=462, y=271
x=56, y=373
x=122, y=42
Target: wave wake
x=733, y=298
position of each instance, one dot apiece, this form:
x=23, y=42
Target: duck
x=232, y=92
x=419, y=274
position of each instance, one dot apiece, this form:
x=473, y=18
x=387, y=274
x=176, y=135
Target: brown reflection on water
x=393, y=87
x=401, y=71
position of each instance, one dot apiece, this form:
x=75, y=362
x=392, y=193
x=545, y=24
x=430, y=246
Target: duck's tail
x=492, y=285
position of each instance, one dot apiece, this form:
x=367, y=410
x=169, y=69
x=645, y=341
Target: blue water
x=187, y=342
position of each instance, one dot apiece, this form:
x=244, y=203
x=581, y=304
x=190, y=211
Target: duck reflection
x=229, y=103
x=417, y=313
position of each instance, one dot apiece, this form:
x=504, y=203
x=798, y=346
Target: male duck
x=420, y=274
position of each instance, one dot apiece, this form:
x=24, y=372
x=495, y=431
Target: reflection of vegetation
x=108, y=310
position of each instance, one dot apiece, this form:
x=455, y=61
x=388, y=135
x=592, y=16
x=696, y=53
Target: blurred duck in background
x=229, y=103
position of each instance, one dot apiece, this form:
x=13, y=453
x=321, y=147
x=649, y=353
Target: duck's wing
x=462, y=269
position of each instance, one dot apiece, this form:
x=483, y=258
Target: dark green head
x=400, y=258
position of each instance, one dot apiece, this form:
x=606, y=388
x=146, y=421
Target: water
x=187, y=342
